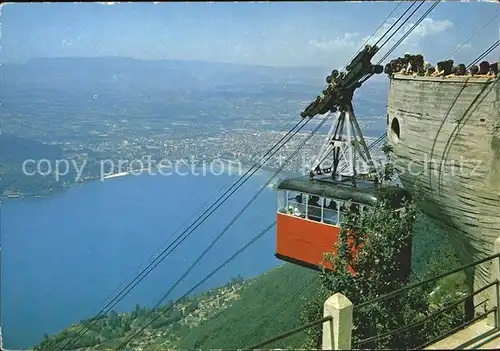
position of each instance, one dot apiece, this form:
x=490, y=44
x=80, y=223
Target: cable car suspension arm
x=338, y=96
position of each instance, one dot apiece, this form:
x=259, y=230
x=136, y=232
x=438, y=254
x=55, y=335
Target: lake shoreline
x=138, y=172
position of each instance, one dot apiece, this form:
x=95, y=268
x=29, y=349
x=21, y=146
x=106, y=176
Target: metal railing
x=440, y=312
x=291, y=332
x=426, y=318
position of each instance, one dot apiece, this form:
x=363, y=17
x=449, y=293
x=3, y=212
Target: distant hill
x=128, y=73
x=123, y=74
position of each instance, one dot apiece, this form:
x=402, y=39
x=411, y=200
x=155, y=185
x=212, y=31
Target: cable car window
x=296, y=204
x=330, y=212
x=282, y=201
x=314, y=208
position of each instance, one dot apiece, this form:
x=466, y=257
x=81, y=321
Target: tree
x=113, y=320
x=135, y=312
x=389, y=170
x=126, y=327
x=192, y=306
x=381, y=239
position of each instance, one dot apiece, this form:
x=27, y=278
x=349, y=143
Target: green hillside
x=253, y=318
x=224, y=316
x=241, y=313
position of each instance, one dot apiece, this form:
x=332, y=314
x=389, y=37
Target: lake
x=63, y=255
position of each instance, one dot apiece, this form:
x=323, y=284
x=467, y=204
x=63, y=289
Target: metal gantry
x=345, y=139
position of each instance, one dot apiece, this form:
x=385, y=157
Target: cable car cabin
x=310, y=212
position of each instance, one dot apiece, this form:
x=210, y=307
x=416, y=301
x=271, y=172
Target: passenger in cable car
x=297, y=213
x=355, y=208
x=342, y=210
x=298, y=198
x=332, y=205
x=293, y=211
x=342, y=207
x=295, y=207
x=300, y=209
x=330, y=213
x=314, y=208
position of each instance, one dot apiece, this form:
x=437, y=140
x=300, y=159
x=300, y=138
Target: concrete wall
x=455, y=120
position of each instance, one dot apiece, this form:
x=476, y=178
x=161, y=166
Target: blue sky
x=274, y=34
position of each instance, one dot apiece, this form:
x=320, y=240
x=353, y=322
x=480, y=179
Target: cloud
x=347, y=41
x=240, y=49
x=334, y=51
x=428, y=27
x=353, y=41
x=66, y=42
x=463, y=46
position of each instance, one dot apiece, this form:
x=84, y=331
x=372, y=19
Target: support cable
x=474, y=35
x=196, y=261
x=195, y=216
x=394, y=24
x=426, y=13
x=165, y=252
x=376, y=30
x=405, y=35
x=484, y=54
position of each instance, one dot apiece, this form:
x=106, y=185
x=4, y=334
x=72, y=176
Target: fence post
x=494, y=318
x=337, y=333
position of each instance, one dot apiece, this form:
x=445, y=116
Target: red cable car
x=310, y=212
x=310, y=209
